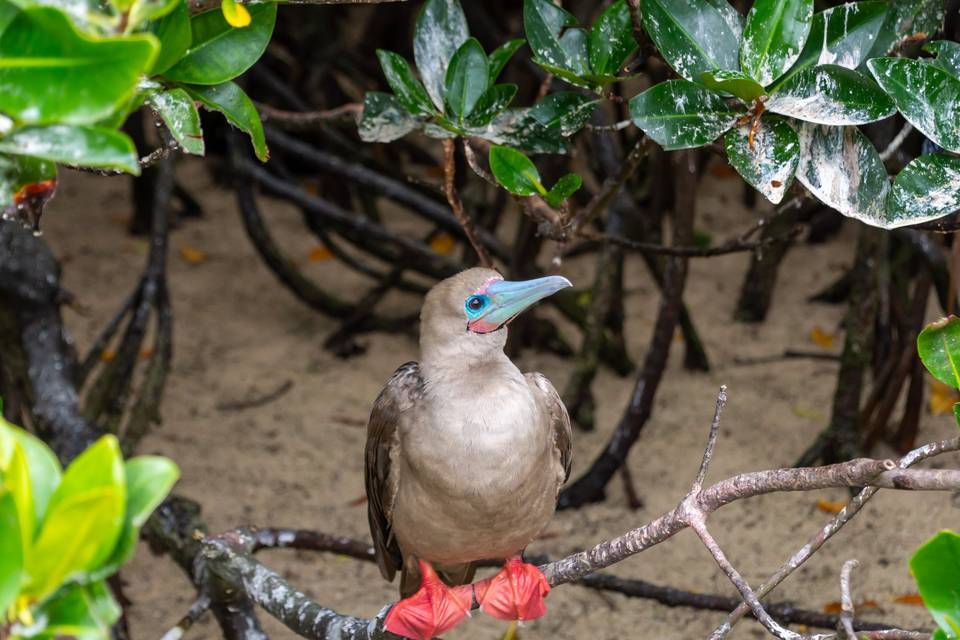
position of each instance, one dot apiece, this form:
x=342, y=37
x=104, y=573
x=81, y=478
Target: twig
x=846, y=600
x=307, y=120
x=711, y=438
x=152, y=158
x=734, y=245
x=200, y=606
x=450, y=190
x=612, y=185
x=259, y=401
x=896, y=142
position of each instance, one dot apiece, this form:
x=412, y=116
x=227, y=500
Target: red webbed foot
x=516, y=593
x=433, y=610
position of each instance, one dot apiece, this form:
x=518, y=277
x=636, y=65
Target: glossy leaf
x=735, y=83
x=18, y=171
x=468, y=77
x=774, y=36
x=575, y=43
x=99, y=466
x=176, y=108
x=730, y=15
x=75, y=146
x=842, y=169
x=936, y=567
x=230, y=100
x=11, y=550
x=519, y=129
x=219, y=52
x=926, y=189
x=492, y=102
x=564, y=109
x=928, y=97
x=948, y=55
x=908, y=19
x=769, y=166
x=404, y=83
x=939, y=348
x=515, y=172
x=693, y=36
x=79, y=611
x=611, y=40
x=173, y=31
x=16, y=480
x=565, y=187
x=678, y=114
x=500, y=56
x=42, y=465
x=384, y=119
x=44, y=58
x=440, y=30
x=830, y=94
x=146, y=10
x=7, y=13
x=543, y=23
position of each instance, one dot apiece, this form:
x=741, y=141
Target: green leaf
x=230, y=100
x=468, y=77
x=18, y=171
x=948, y=55
x=501, y=56
x=147, y=10
x=178, y=112
x=515, y=172
x=842, y=169
x=517, y=128
x=565, y=187
x=44, y=58
x=440, y=30
x=693, y=36
x=492, y=102
x=611, y=40
x=928, y=97
x=678, y=114
x=564, y=109
x=384, y=119
x=75, y=146
x=926, y=189
x=907, y=18
x=11, y=550
x=173, y=31
x=42, y=465
x=79, y=611
x=774, y=36
x=574, y=43
x=735, y=83
x=587, y=81
x=956, y=413
x=149, y=480
x=219, y=52
x=730, y=15
x=543, y=22
x=769, y=166
x=404, y=83
x=16, y=480
x=99, y=466
x=830, y=94
x=842, y=36
x=7, y=13
x=936, y=567
x=939, y=348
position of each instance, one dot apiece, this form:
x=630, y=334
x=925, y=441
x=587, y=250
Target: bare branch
x=307, y=120
x=196, y=611
x=846, y=600
x=450, y=190
x=711, y=439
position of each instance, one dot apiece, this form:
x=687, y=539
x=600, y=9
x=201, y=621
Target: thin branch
x=308, y=120
x=450, y=190
x=734, y=245
x=711, y=438
x=612, y=185
x=846, y=600
x=200, y=606
x=896, y=142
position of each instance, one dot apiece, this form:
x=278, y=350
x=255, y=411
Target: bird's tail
x=452, y=575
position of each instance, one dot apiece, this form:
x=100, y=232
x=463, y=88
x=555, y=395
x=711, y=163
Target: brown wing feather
x=559, y=419
x=397, y=399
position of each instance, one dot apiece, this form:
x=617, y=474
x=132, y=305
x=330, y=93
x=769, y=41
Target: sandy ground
x=297, y=462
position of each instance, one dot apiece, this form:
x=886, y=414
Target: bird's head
x=468, y=313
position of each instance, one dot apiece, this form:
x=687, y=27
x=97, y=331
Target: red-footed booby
x=465, y=458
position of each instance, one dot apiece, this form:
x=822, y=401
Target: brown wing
x=559, y=419
x=398, y=398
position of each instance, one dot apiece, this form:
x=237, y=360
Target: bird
x=465, y=458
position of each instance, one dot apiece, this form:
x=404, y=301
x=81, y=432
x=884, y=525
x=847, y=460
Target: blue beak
x=503, y=300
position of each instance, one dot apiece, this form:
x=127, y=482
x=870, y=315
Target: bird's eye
x=475, y=303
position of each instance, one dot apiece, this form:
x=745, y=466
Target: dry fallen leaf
x=442, y=243
x=147, y=353
x=192, y=255
x=913, y=599
x=821, y=338
x=107, y=356
x=942, y=398
x=809, y=414
x=830, y=507
x=319, y=254
x=835, y=607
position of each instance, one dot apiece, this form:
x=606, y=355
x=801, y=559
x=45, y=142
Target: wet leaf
x=192, y=255
x=693, y=36
x=678, y=114
x=905, y=19
x=543, y=23
x=939, y=348
x=564, y=109
x=735, y=83
x=928, y=97
x=44, y=58
x=518, y=128
x=565, y=187
x=611, y=40
x=173, y=31
x=219, y=52
x=75, y=146
x=948, y=55
x=830, y=94
x=936, y=568
x=500, y=56
x=408, y=90
x=926, y=189
x=467, y=78
x=842, y=169
x=942, y=398
x=384, y=119
x=774, y=36
x=179, y=113
x=230, y=100
x=440, y=30
x=491, y=103
x=769, y=166
x=830, y=507
x=515, y=172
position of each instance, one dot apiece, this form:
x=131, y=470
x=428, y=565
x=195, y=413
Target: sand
x=297, y=461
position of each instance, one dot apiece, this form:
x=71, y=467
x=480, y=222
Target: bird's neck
x=466, y=371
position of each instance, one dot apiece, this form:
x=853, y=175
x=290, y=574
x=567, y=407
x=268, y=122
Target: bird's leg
x=516, y=593
x=434, y=609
